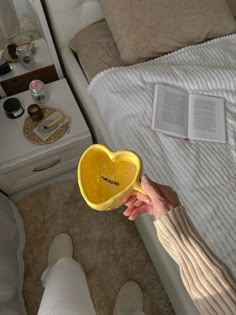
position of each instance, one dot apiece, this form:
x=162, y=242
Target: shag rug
x=106, y=244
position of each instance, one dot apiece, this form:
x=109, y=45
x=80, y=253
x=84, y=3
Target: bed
x=117, y=104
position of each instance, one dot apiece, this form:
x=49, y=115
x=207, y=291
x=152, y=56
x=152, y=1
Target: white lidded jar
x=38, y=91
x=25, y=56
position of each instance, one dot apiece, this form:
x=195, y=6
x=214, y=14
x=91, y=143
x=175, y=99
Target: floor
x=100, y=239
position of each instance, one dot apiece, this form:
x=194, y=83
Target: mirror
x=22, y=22
x=18, y=22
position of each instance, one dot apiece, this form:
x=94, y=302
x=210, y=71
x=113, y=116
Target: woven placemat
x=29, y=126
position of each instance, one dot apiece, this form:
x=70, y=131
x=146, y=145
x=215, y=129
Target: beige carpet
x=106, y=244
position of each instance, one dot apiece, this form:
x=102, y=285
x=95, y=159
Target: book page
x=170, y=110
x=206, y=118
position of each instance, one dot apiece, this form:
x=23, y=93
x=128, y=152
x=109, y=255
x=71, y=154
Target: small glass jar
x=25, y=56
x=38, y=91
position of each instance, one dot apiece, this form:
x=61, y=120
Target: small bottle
x=25, y=56
x=38, y=91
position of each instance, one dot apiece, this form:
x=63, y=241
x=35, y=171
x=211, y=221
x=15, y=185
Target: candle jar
x=13, y=108
x=12, y=51
x=4, y=66
x=25, y=56
x=38, y=91
x=35, y=112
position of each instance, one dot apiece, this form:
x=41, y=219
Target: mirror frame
x=48, y=36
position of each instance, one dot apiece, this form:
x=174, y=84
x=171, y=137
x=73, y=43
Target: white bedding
x=203, y=173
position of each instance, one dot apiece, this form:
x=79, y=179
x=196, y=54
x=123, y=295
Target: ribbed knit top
x=208, y=281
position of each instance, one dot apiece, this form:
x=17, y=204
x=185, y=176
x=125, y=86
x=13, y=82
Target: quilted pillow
x=232, y=6
x=12, y=240
x=144, y=29
x=96, y=49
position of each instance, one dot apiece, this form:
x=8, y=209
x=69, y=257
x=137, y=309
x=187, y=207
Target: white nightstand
x=22, y=163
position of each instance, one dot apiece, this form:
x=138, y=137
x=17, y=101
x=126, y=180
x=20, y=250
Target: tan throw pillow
x=96, y=49
x=144, y=29
x=232, y=6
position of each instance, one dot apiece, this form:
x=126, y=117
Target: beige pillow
x=144, y=29
x=96, y=49
x=232, y=6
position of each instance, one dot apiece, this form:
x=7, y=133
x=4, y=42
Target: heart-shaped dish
x=107, y=179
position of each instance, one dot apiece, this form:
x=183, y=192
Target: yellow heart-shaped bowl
x=107, y=179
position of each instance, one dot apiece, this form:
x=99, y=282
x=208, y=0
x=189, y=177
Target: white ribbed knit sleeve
x=207, y=280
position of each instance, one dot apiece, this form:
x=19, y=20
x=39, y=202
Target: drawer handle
x=46, y=166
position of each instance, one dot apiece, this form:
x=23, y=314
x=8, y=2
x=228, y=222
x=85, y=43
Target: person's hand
x=159, y=199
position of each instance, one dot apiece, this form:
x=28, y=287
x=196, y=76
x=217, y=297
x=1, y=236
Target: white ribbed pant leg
x=66, y=290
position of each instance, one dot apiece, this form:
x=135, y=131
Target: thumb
x=150, y=187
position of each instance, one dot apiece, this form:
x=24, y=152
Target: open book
x=189, y=116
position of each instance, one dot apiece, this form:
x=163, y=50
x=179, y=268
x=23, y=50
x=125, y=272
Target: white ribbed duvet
x=203, y=173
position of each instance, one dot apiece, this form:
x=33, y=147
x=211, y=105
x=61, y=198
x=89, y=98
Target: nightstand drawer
x=42, y=167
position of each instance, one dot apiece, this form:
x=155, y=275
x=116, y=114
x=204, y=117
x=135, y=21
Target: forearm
x=208, y=281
